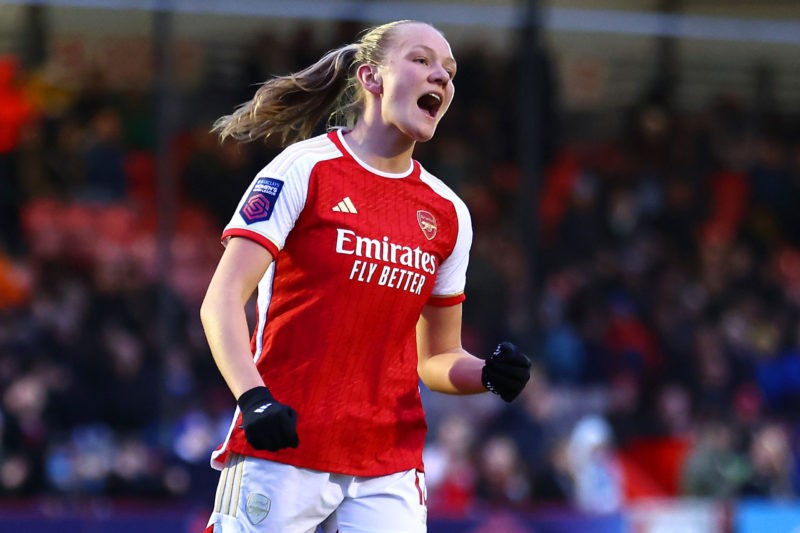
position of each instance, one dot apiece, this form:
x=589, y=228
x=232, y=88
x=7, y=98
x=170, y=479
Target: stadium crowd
x=660, y=305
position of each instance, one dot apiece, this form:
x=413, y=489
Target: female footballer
x=359, y=257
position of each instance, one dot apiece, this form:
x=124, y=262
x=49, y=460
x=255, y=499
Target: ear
x=370, y=78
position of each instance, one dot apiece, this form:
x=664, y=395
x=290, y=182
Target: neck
x=382, y=147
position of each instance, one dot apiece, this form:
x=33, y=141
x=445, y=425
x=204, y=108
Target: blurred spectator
x=714, y=468
x=450, y=473
x=596, y=473
x=15, y=283
x=104, y=158
x=502, y=480
x=16, y=114
x=771, y=465
x=553, y=484
x=713, y=372
x=534, y=423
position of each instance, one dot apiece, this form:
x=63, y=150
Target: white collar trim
x=340, y=133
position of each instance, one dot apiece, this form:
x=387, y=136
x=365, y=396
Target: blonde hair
x=290, y=107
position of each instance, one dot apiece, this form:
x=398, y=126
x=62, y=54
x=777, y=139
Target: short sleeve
x=448, y=289
x=272, y=203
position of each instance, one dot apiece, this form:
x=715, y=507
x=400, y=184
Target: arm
x=267, y=423
x=444, y=366
x=242, y=265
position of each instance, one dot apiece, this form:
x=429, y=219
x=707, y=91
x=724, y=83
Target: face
x=417, y=80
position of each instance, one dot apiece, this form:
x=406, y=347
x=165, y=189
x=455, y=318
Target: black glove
x=267, y=423
x=506, y=371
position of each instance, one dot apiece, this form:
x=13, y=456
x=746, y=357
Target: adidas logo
x=345, y=206
x=262, y=408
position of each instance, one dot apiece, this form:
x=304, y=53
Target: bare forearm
x=223, y=312
x=228, y=338
x=456, y=372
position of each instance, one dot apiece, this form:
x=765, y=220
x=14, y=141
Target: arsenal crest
x=427, y=224
x=257, y=507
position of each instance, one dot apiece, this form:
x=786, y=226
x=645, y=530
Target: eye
x=422, y=60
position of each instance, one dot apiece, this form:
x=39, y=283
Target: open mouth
x=430, y=103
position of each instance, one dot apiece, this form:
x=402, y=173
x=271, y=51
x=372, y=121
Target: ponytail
x=290, y=107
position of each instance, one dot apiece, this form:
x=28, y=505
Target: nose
x=440, y=75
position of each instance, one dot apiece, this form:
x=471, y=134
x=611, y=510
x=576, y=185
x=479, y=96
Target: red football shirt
x=358, y=253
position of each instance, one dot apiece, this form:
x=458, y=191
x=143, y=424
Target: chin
x=425, y=135
x=418, y=132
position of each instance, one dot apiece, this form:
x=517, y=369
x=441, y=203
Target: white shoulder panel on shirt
x=302, y=153
x=451, y=277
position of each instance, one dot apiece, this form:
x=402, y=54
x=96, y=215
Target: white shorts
x=255, y=495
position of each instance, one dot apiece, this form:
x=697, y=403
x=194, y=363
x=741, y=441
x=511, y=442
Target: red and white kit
x=358, y=253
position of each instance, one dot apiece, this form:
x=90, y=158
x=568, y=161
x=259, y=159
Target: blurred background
x=633, y=173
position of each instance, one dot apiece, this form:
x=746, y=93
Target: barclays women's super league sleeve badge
x=261, y=201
